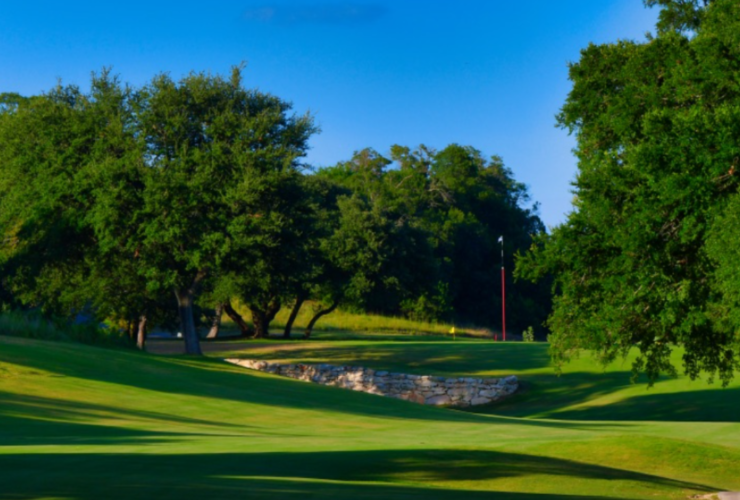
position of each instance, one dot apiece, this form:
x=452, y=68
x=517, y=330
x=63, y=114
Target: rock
x=489, y=394
x=438, y=400
x=416, y=398
x=427, y=389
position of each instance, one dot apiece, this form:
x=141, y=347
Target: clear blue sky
x=486, y=73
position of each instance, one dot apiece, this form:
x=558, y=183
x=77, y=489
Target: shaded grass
x=369, y=474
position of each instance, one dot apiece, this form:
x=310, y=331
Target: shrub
x=528, y=335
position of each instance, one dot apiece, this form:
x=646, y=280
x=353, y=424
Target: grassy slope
x=84, y=423
x=585, y=391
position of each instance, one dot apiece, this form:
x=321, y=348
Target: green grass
x=585, y=391
x=343, y=325
x=78, y=422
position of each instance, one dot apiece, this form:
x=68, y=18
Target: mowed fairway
x=79, y=422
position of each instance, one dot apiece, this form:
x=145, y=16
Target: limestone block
x=423, y=382
x=480, y=401
x=489, y=394
x=416, y=398
x=438, y=400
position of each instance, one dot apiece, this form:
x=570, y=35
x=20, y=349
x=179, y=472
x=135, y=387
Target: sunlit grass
x=345, y=324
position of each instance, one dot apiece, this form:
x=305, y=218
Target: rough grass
x=79, y=422
x=342, y=325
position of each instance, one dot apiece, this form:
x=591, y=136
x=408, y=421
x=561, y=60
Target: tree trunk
x=246, y=330
x=300, y=299
x=319, y=314
x=187, y=322
x=141, y=333
x=216, y=323
x=261, y=325
x=130, y=329
x=261, y=317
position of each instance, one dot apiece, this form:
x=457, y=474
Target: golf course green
x=79, y=422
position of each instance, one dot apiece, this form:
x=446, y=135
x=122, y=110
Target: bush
x=35, y=326
x=528, y=335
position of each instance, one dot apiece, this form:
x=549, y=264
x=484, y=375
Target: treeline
x=141, y=205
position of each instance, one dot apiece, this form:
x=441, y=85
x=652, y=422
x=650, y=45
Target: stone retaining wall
x=424, y=389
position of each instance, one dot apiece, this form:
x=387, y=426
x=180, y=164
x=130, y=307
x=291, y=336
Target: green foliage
x=35, y=326
x=442, y=213
x=115, y=199
x=528, y=334
x=158, y=188
x=642, y=260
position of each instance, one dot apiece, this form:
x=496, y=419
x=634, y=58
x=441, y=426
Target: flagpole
x=503, y=291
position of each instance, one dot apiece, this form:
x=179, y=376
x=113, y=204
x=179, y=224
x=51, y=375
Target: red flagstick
x=503, y=291
x=503, y=303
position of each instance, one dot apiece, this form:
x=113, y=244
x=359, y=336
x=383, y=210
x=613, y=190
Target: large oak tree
x=648, y=257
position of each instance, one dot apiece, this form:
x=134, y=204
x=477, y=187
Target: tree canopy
x=647, y=256
x=123, y=202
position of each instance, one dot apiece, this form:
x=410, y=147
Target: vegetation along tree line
x=164, y=203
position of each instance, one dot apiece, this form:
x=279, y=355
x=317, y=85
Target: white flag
x=500, y=239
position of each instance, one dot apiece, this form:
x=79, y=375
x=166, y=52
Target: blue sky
x=491, y=74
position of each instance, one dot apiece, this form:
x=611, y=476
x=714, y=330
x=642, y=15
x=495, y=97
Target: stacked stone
x=423, y=389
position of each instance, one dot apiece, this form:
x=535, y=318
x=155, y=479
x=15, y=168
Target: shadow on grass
x=710, y=405
x=544, y=396
x=354, y=474
x=22, y=431
x=425, y=358
x=65, y=409
x=211, y=378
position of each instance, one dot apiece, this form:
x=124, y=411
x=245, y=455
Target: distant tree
x=443, y=213
x=648, y=256
x=320, y=278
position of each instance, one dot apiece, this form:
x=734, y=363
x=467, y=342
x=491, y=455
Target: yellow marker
x=452, y=331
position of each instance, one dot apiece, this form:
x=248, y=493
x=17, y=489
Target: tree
x=443, y=212
x=53, y=148
x=165, y=183
x=646, y=257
